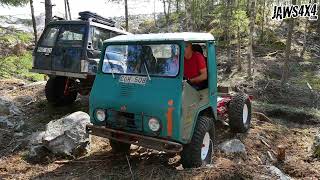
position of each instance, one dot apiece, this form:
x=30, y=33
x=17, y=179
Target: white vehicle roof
x=183, y=36
x=115, y=29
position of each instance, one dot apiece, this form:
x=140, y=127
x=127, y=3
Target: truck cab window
x=71, y=36
x=98, y=36
x=50, y=37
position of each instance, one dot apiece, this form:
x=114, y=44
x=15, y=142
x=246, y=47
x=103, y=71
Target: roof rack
x=90, y=16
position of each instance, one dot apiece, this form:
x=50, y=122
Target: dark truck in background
x=68, y=51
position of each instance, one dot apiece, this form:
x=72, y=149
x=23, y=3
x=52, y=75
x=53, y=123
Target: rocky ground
x=26, y=111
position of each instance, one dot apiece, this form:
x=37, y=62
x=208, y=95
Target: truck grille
x=124, y=120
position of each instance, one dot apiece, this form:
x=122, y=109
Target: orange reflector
x=169, y=121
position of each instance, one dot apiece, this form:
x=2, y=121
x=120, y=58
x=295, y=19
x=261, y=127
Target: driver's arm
x=203, y=76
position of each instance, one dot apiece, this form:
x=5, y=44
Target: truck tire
x=55, y=94
x=199, y=151
x=119, y=147
x=240, y=113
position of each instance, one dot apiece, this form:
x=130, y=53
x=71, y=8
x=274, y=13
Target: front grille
x=124, y=120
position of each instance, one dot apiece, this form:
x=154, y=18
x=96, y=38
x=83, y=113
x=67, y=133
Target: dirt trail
x=262, y=138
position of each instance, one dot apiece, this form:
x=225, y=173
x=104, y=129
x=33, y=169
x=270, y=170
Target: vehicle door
x=43, y=51
x=68, y=51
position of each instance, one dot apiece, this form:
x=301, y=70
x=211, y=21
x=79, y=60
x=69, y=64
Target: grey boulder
x=8, y=108
x=233, y=146
x=66, y=136
x=275, y=173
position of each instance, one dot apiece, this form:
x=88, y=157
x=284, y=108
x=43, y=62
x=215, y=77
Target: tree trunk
x=318, y=22
x=248, y=8
x=166, y=12
x=177, y=6
x=250, y=45
x=304, y=39
x=34, y=24
x=48, y=11
x=285, y=72
x=126, y=14
x=262, y=23
x=228, y=31
x=65, y=10
x=239, y=43
x=154, y=13
x=169, y=9
x=68, y=5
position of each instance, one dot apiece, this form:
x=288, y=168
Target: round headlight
x=154, y=124
x=100, y=115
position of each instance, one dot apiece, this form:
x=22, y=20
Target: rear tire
x=119, y=147
x=240, y=113
x=54, y=91
x=200, y=150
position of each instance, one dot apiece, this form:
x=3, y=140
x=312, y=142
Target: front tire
x=55, y=91
x=240, y=113
x=200, y=150
x=119, y=147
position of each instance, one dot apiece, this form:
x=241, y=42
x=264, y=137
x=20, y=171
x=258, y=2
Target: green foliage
x=12, y=37
x=221, y=22
x=24, y=37
x=14, y=2
x=18, y=66
x=240, y=19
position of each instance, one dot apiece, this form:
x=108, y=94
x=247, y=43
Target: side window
x=50, y=36
x=114, y=34
x=99, y=35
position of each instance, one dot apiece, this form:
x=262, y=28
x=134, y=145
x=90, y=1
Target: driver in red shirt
x=195, y=68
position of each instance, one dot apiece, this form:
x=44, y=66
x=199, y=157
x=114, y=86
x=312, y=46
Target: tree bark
x=166, y=12
x=154, y=13
x=48, y=11
x=65, y=10
x=239, y=43
x=318, y=21
x=262, y=23
x=126, y=14
x=228, y=31
x=34, y=24
x=304, y=39
x=177, y=6
x=68, y=5
x=285, y=72
x=250, y=46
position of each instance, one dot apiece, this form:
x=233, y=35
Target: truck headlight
x=100, y=115
x=154, y=124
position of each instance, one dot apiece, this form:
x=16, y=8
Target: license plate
x=133, y=79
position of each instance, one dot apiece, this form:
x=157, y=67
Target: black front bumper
x=145, y=141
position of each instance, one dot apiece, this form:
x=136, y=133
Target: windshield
x=151, y=59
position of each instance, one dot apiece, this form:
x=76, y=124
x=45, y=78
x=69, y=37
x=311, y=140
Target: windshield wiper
x=145, y=66
x=110, y=66
x=111, y=69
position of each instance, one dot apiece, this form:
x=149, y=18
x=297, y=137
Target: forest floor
x=260, y=142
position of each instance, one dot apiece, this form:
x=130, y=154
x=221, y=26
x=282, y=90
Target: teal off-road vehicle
x=140, y=97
